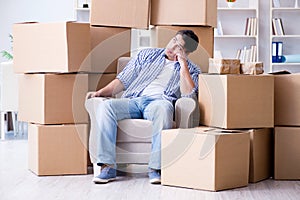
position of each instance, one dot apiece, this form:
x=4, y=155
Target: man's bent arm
x=114, y=87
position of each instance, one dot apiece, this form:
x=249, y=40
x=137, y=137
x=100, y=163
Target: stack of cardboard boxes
x=48, y=57
x=287, y=127
x=234, y=145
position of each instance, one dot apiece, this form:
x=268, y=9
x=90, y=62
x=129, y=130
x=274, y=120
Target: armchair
x=134, y=135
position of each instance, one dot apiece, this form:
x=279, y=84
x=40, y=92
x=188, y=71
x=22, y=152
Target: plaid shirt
x=146, y=66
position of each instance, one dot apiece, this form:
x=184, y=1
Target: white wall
x=14, y=11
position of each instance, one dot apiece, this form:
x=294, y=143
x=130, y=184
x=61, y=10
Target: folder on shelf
x=277, y=49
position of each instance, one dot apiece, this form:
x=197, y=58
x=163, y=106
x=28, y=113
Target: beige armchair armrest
x=186, y=113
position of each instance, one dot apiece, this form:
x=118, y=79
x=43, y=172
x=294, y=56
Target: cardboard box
x=261, y=154
x=130, y=13
x=161, y=36
x=53, y=98
x=108, y=44
x=235, y=101
x=201, y=158
x=224, y=66
x=188, y=12
x=57, y=149
x=253, y=68
x=287, y=150
x=98, y=81
x=51, y=47
x=287, y=104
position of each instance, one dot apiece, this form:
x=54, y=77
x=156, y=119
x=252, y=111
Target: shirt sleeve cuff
x=123, y=81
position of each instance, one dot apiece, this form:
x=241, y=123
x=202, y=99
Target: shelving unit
x=82, y=14
x=233, y=22
x=290, y=17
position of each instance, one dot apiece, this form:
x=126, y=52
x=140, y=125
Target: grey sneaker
x=107, y=174
x=154, y=176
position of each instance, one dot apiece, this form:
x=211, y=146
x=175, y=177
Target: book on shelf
x=277, y=26
x=219, y=28
x=251, y=26
x=247, y=54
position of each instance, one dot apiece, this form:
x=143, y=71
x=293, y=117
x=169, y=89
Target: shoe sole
x=99, y=180
x=155, y=181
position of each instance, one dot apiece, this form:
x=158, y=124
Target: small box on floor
x=286, y=155
x=57, y=149
x=205, y=158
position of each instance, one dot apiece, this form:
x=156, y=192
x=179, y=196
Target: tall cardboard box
x=161, y=36
x=57, y=149
x=53, y=98
x=51, y=47
x=98, y=81
x=188, y=12
x=201, y=158
x=236, y=101
x=108, y=44
x=129, y=13
x=261, y=154
x=287, y=104
x=287, y=151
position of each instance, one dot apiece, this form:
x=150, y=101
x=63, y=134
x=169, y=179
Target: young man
x=152, y=82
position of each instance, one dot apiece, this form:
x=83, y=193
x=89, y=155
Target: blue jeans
x=159, y=111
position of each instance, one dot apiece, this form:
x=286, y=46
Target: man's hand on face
x=181, y=58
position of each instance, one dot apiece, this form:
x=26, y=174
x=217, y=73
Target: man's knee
x=163, y=109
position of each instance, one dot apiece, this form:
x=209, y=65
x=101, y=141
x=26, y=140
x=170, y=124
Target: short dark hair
x=190, y=38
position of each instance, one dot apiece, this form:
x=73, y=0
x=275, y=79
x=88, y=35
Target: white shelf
x=82, y=9
x=284, y=64
x=285, y=36
x=237, y=9
x=231, y=37
x=290, y=17
x=285, y=9
x=235, y=36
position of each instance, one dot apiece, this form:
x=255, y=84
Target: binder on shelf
x=277, y=49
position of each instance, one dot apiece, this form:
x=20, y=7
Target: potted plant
x=230, y=3
x=6, y=54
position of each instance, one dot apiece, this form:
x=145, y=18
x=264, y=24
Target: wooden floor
x=17, y=182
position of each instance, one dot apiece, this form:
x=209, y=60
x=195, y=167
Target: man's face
x=175, y=47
